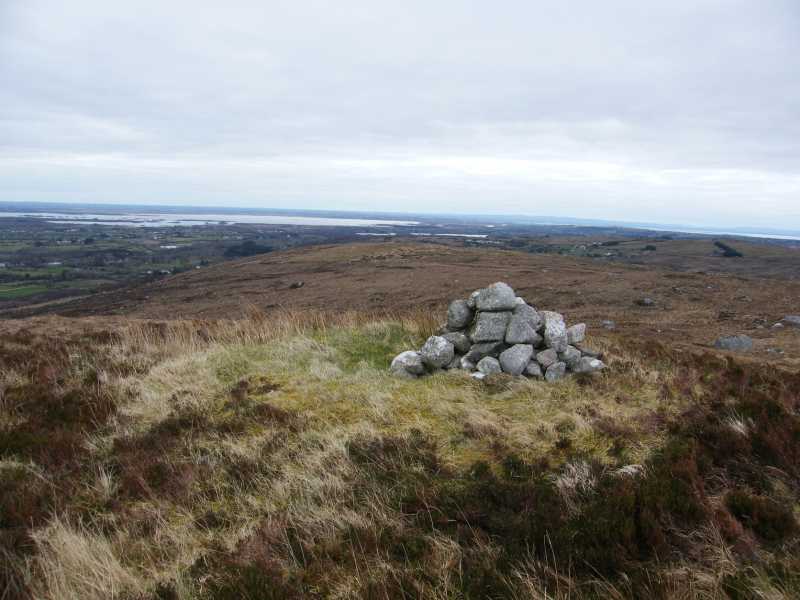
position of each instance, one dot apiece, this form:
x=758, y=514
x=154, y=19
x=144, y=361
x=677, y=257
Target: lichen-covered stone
x=555, y=371
x=459, y=315
x=514, y=360
x=408, y=363
x=459, y=340
x=490, y=326
x=489, y=365
x=498, y=296
x=547, y=357
x=437, y=352
x=534, y=369
x=555, y=331
x=576, y=334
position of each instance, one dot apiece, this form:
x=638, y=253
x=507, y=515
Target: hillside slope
x=390, y=278
x=275, y=457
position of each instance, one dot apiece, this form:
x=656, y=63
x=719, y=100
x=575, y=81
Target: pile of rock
x=496, y=331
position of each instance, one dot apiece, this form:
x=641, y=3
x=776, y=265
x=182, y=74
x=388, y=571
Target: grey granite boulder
x=489, y=365
x=547, y=357
x=490, y=326
x=791, y=321
x=555, y=371
x=459, y=340
x=514, y=360
x=455, y=363
x=576, y=334
x=524, y=324
x=437, y=352
x=534, y=370
x=472, y=298
x=466, y=364
x=555, y=331
x=478, y=351
x=407, y=363
x=459, y=315
x=734, y=343
x=570, y=356
x=498, y=296
x=587, y=364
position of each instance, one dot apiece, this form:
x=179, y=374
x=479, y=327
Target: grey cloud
x=688, y=110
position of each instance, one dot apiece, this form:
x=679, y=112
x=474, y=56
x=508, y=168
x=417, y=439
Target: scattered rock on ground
x=610, y=325
x=646, y=301
x=791, y=321
x=734, y=343
x=587, y=364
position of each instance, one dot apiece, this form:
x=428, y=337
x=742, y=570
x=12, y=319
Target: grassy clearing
x=274, y=457
x=15, y=291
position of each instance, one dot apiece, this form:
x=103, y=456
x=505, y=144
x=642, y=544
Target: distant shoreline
x=174, y=216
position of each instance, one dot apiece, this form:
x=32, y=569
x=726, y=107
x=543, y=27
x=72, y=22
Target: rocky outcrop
x=496, y=331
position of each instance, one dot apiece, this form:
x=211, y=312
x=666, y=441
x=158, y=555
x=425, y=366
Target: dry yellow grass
x=237, y=438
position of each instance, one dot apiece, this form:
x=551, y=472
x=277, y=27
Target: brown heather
x=275, y=457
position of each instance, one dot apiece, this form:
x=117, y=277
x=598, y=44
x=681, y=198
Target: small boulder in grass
x=734, y=343
x=555, y=371
x=791, y=321
x=408, y=364
x=494, y=331
x=489, y=365
x=587, y=364
x=437, y=352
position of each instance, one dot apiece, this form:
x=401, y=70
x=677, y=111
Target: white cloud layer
x=687, y=111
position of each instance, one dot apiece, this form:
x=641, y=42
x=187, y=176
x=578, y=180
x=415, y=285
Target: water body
x=187, y=219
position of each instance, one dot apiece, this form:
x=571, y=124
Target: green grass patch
x=15, y=291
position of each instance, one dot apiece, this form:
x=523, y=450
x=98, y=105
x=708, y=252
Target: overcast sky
x=685, y=111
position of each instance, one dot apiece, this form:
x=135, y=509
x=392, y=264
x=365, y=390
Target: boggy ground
x=692, y=308
x=274, y=457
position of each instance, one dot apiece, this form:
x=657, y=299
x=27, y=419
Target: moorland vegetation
x=275, y=456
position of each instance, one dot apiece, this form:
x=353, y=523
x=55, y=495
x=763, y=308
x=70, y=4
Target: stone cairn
x=495, y=331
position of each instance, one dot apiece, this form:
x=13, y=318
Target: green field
x=15, y=291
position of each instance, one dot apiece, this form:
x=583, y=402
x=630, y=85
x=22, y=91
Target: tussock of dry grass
x=276, y=457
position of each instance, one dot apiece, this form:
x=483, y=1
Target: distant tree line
x=246, y=248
